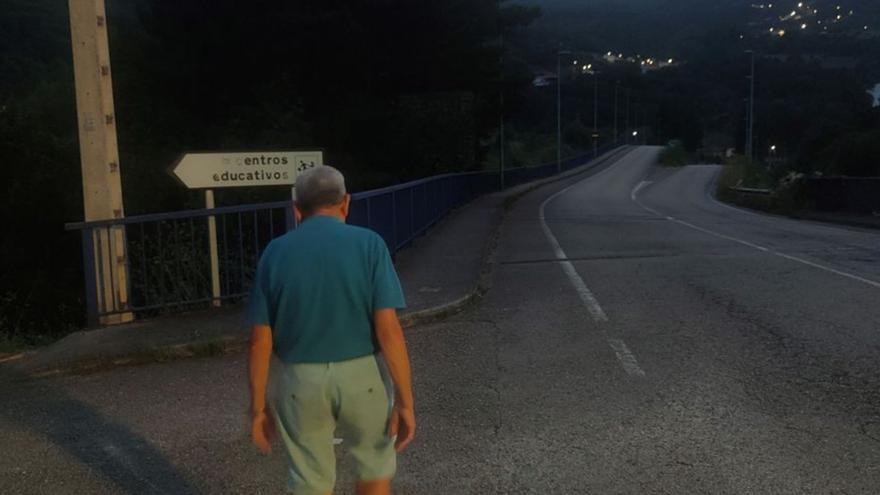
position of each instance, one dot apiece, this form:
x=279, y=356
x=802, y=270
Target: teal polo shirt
x=318, y=286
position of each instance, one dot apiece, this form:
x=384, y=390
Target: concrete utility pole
x=750, y=131
x=99, y=155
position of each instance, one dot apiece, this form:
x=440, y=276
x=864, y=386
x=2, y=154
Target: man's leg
x=363, y=415
x=305, y=424
x=377, y=487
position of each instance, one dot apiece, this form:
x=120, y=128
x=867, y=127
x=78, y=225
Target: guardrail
x=166, y=257
x=752, y=190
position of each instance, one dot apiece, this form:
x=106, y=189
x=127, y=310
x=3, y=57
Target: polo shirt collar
x=322, y=219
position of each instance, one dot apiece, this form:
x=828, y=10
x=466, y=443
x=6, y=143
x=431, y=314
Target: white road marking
x=638, y=188
x=828, y=269
x=716, y=234
x=624, y=356
x=835, y=271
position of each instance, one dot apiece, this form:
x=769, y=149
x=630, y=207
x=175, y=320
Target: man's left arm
x=262, y=423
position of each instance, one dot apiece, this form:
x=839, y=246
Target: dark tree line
x=390, y=89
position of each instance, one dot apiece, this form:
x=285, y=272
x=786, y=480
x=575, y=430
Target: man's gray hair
x=319, y=187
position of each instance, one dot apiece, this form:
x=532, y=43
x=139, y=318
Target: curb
x=229, y=345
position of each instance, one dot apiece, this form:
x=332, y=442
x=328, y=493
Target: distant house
x=544, y=79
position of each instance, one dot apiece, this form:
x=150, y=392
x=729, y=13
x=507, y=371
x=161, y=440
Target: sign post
x=213, y=251
x=209, y=171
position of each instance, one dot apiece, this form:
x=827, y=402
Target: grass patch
x=674, y=155
x=14, y=343
x=787, y=196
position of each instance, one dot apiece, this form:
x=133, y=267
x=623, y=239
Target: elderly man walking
x=325, y=302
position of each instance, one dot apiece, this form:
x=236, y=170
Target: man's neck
x=327, y=214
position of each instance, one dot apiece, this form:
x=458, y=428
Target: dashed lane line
x=621, y=351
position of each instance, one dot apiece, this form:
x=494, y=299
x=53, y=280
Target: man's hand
x=403, y=426
x=263, y=432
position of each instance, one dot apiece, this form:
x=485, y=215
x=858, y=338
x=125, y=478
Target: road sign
x=244, y=169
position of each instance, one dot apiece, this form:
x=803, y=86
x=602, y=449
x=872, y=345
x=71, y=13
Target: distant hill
x=674, y=27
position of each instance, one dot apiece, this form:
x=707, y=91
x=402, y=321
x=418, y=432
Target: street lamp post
x=501, y=102
x=750, y=131
x=559, y=55
x=595, y=114
x=616, y=91
x=626, y=125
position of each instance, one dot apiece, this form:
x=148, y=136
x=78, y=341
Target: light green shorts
x=313, y=400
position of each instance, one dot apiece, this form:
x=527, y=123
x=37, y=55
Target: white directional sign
x=244, y=169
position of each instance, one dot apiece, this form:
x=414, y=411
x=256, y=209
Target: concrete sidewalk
x=441, y=273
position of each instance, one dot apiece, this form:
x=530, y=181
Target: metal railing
x=166, y=255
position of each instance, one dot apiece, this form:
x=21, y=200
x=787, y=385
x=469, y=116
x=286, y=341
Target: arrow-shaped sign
x=244, y=169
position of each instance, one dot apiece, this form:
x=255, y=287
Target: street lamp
x=750, y=131
x=559, y=55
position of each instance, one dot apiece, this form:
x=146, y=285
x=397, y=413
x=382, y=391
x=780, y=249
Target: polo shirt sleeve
x=258, y=306
x=387, y=293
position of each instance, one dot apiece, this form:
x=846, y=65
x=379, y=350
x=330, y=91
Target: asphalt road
x=639, y=338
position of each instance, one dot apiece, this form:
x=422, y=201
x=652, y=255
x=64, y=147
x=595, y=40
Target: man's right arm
x=390, y=336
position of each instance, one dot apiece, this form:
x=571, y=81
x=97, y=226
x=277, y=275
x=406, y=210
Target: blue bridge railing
x=166, y=255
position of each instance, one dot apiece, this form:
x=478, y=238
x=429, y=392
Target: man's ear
x=346, y=202
x=297, y=213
